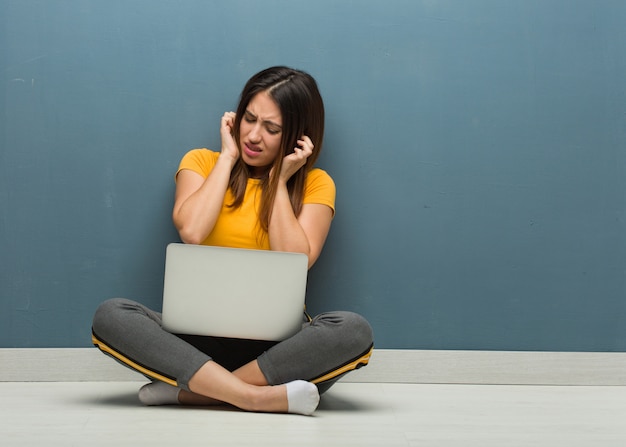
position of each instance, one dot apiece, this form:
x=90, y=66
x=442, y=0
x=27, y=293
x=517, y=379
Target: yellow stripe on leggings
x=361, y=361
x=104, y=348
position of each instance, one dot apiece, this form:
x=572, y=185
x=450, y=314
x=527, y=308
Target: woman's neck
x=258, y=172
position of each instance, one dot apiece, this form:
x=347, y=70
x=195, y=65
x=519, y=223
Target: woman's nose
x=255, y=133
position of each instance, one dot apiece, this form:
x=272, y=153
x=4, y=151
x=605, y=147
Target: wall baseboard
x=386, y=366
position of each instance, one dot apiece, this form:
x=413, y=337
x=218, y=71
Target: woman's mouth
x=251, y=150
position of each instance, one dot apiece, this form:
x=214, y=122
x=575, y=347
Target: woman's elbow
x=313, y=257
x=187, y=234
x=189, y=237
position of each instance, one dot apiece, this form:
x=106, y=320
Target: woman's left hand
x=297, y=159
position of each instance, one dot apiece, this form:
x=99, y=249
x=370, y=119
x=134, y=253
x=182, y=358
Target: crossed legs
x=133, y=335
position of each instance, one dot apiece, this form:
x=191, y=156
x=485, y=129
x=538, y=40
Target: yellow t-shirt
x=238, y=227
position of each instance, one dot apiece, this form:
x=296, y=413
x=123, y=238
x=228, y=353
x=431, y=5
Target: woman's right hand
x=229, y=146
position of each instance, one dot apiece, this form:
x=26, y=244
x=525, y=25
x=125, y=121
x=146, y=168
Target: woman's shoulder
x=317, y=175
x=200, y=160
x=319, y=188
x=201, y=154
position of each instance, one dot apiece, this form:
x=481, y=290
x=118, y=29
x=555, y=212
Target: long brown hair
x=302, y=109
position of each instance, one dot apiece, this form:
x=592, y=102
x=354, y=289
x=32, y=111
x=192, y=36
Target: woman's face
x=260, y=133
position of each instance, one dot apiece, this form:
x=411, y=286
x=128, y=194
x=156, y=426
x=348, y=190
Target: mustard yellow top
x=238, y=227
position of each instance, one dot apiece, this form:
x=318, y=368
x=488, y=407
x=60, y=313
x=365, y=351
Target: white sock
x=302, y=397
x=158, y=393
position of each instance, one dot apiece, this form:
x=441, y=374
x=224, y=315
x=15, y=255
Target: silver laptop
x=232, y=292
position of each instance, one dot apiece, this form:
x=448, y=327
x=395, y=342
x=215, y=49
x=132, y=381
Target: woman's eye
x=273, y=131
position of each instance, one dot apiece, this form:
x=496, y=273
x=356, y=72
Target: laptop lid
x=233, y=292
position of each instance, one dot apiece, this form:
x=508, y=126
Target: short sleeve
x=200, y=161
x=320, y=188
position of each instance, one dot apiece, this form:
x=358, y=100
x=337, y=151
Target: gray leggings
x=326, y=348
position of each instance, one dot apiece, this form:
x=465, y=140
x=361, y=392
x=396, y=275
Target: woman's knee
x=361, y=329
x=108, y=314
x=349, y=327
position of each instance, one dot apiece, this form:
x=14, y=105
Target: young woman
x=261, y=192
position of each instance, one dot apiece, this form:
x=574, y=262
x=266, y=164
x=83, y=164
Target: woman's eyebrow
x=252, y=115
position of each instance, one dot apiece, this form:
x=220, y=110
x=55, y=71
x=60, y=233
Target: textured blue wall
x=479, y=149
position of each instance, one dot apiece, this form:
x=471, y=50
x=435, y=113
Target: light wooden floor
x=350, y=414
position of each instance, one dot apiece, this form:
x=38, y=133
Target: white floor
x=359, y=414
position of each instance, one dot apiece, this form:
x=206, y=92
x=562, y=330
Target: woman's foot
x=159, y=393
x=302, y=397
x=298, y=397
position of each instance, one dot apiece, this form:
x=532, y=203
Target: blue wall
x=478, y=148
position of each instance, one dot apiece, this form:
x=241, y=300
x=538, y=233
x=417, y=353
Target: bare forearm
x=285, y=232
x=195, y=217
